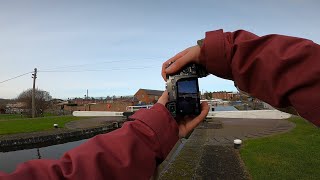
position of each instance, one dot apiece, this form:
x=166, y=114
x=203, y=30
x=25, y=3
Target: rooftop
x=153, y=92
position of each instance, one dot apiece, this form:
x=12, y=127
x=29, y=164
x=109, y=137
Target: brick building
x=119, y=106
x=225, y=95
x=147, y=96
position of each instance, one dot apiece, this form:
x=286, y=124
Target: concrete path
x=209, y=152
x=251, y=114
x=92, y=122
x=242, y=129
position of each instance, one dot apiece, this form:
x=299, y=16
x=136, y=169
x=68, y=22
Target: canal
x=225, y=108
x=9, y=160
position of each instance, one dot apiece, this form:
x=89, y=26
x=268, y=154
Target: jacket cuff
x=213, y=55
x=159, y=119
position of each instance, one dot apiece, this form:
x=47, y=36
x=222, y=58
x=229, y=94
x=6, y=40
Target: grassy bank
x=9, y=116
x=294, y=155
x=10, y=124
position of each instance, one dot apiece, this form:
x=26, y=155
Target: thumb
x=164, y=98
x=197, y=120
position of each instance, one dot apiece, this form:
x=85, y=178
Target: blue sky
x=94, y=37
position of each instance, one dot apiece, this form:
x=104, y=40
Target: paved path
x=242, y=129
x=209, y=152
x=250, y=114
x=92, y=122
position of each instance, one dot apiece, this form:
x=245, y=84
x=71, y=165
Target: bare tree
x=42, y=100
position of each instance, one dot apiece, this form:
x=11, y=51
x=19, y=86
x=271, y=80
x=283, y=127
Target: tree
x=3, y=103
x=208, y=95
x=42, y=100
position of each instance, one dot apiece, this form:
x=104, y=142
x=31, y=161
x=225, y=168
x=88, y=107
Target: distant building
x=147, y=96
x=17, y=107
x=226, y=95
x=98, y=104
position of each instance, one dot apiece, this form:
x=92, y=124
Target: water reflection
x=225, y=108
x=9, y=160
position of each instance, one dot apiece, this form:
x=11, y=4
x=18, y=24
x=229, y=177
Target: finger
x=164, y=98
x=173, y=59
x=163, y=71
x=179, y=63
x=197, y=120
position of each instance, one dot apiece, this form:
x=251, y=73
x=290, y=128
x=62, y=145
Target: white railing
x=252, y=114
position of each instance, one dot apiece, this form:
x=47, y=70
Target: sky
x=117, y=47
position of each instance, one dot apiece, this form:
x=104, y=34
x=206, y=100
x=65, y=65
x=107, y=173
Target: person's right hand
x=188, y=123
x=189, y=55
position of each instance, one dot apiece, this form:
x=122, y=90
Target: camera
x=183, y=90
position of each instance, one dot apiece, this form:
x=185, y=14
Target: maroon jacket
x=281, y=70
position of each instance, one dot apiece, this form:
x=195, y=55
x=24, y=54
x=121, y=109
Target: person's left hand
x=188, y=123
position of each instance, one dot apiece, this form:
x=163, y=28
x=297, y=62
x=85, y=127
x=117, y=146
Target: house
x=147, y=96
x=16, y=107
x=225, y=95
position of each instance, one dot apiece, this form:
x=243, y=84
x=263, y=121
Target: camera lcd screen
x=188, y=100
x=187, y=87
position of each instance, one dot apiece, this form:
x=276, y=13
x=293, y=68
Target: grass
x=294, y=155
x=9, y=116
x=11, y=124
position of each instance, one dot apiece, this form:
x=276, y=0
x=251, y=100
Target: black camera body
x=183, y=90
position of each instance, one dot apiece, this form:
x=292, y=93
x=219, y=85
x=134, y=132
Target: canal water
x=225, y=108
x=10, y=160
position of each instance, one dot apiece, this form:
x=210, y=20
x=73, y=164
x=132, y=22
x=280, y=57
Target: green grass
x=46, y=114
x=12, y=125
x=293, y=155
x=18, y=116
x=9, y=116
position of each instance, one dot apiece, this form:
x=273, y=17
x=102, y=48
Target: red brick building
x=119, y=106
x=147, y=96
x=225, y=95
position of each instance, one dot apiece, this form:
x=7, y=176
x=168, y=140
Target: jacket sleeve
x=131, y=152
x=280, y=70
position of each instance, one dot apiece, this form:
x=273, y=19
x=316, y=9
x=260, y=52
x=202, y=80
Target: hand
x=189, y=55
x=188, y=123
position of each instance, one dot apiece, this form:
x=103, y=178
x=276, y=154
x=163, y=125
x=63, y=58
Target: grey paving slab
x=218, y=158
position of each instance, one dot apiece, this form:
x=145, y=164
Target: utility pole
x=87, y=94
x=34, y=76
